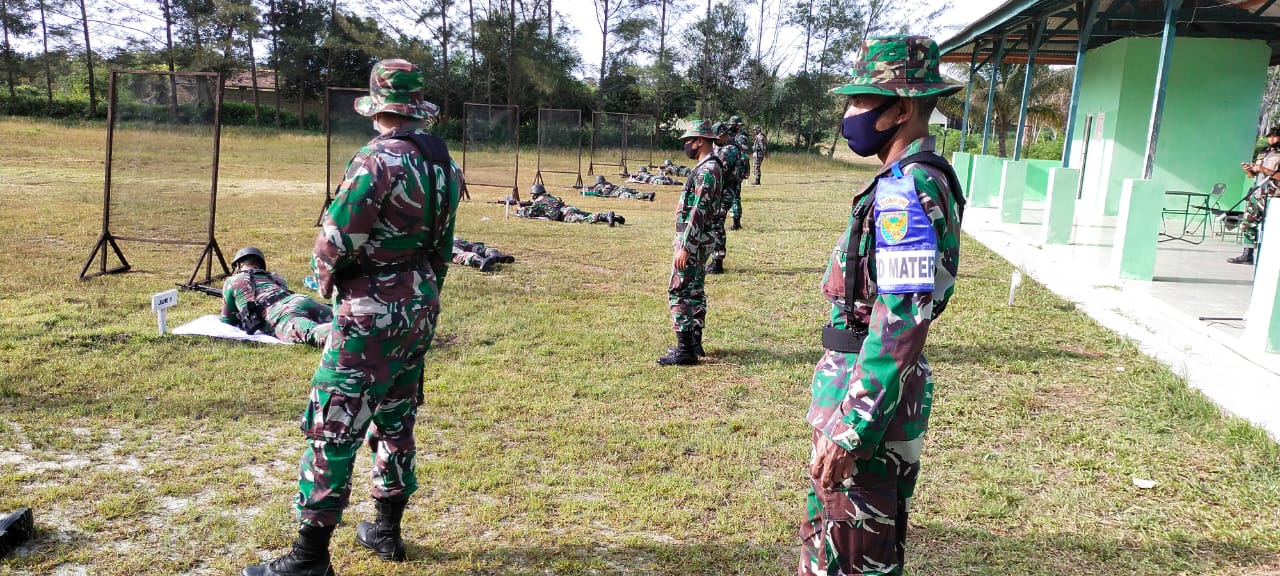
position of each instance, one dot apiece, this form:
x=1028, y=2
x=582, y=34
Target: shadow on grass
x=754, y=356
x=933, y=549
x=939, y=549
x=984, y=353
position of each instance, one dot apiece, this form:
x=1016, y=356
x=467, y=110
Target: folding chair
x=1228, y=220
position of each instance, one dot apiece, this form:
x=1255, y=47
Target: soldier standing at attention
x=739, y=138
x=758, y=152
x=733, y=163
x=890, y=275
x=699, y=201
x=381, y=255
x=1263, y=171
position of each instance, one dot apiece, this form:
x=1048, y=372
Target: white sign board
x=161, y=302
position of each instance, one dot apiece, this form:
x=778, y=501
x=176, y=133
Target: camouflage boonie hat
x=720, y=128
x=395, y=86
x=1274, y=131
x=735, y=120
x=899, y=65
x=699, y=129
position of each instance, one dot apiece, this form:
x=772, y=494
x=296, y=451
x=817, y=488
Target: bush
x=1044, y=150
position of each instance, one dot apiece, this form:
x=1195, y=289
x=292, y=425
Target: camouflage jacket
x=1269, y=159
x=260, y=286
x=759, y=148
x=544, y=206
x=383, y=214
x=896, y=324
x=734, y=163
x=700, y=201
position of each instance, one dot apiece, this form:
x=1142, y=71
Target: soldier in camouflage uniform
x=545, y=205
x=1263, y=171
x=381, y=254
x=260, y=301
x=740, y=139
x=605, y=189
x=477, y=255
x=758, y=152
x=699, y=203
x=734, y=164
x=670, y=168
x=890, y=276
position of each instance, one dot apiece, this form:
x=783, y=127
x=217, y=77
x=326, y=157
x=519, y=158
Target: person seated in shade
x=546, y=206
x=477, y=255
x=256, y=300
x=605, y=189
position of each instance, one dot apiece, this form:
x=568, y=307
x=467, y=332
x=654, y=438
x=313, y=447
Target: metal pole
x=1086, y=31
x=1162, y=83
x=968, y=91
x=1029, y=74
x=991, y=92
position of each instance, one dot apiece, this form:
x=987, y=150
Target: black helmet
x=538, y=190
x=248, y=252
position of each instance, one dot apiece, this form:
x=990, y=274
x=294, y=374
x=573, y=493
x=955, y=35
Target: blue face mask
x=860, y=131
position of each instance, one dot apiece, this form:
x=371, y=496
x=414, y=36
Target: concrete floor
x=1162, y=316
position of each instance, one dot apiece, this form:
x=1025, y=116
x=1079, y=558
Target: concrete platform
x=1162, y=316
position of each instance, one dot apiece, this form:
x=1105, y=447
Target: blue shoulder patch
x=906, y=246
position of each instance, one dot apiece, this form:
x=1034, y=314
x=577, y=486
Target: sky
x=582, y=16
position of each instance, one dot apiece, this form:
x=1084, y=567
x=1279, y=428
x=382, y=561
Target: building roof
x=1116, y=20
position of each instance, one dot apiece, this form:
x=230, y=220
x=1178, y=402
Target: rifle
x=216, y=293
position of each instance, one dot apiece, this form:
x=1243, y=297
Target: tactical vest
x=849, y=339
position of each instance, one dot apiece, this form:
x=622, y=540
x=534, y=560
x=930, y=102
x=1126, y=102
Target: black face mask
x=690, y=150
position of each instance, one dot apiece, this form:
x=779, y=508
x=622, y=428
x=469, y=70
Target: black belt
x=842, y=340
x=269, y=302
x=419, y=261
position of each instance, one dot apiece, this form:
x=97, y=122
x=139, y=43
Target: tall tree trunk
x=511, y=58
x=604, y=43
x=251, y=34
x=168, y=44
x=275, y=57
x=88, y=59
x=471, y=7
x=662, y=34
x=550, y=15
x=48, y=73
x=706, y=63
x=8, y=52
x=444, y=48
x=760, y=35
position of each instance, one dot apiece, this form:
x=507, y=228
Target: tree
x=88, y=59
x=1044, y=103
x=621, y=23
x=723, y=34
x=16, y=23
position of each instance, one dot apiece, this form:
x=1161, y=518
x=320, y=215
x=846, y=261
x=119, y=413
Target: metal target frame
x=329, y=184
x=537, y=178
x=632, y=137
x=109, y=241
x=467, y=182
x=595, y=142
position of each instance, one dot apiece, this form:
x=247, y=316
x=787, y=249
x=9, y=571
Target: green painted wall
x=1210, y=117
x=1038, y=178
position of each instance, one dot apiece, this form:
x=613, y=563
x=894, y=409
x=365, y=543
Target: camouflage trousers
x=1255, y=210
x=715, y=227
x=861, y=528
x=755, y=166
x=575, y=215
x=301, y=320
x=733, y=197
x=470, y=253
x=686, y=293
x=364, y=392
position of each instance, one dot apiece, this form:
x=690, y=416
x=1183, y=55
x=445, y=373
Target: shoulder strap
x=940, y=164
x=434, y=153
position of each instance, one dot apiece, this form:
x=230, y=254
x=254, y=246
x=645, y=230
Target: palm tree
x=1047, y=101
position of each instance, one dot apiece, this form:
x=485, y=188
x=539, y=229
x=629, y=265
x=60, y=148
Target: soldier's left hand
x=831, y=464
x=681, y=259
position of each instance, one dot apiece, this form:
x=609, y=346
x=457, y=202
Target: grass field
x=550, y=443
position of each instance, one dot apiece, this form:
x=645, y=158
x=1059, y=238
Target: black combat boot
x=487, y=263
x=757, y=182
x=737, y=223
x=697, y=343
x=683, y=354
x=715, y=266
x=383, y=534
x=309, y=556
x=618, y=218
x=501, y=258
x=1245, y=258
x=608, y=217
x=15, y=529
